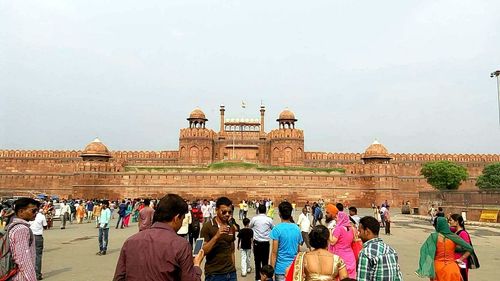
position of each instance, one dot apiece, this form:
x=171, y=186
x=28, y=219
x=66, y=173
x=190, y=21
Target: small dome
x=197, y=114
x=376, y=150
x=96, y=148
x=287, y=115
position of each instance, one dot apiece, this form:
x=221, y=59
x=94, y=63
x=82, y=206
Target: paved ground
x=70, y=254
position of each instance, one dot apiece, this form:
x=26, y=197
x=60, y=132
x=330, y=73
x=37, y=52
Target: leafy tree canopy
x=444, y=174
x=490, y=177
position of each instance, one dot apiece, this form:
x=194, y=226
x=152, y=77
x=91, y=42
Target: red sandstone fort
x=374, y=175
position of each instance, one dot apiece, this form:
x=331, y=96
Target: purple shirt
x=157, y=253
x=146, y=218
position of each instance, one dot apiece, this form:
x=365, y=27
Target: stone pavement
x=70, y=254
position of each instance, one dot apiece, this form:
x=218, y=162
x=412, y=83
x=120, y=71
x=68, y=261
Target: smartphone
x=198, y=245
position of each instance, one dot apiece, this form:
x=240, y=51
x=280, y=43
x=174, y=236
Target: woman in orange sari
x=437, y=254
x=80, y=212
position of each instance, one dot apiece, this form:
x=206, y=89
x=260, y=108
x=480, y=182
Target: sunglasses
x=226, y=212
x=34, y=211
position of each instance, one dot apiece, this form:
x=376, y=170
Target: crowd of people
x=343, y=247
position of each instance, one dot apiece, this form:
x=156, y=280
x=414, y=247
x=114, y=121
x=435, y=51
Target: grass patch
x=160, y=169
x=232, y=165
x=302, y=169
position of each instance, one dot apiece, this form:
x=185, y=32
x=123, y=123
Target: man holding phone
x=158, y=253
x=219, y=243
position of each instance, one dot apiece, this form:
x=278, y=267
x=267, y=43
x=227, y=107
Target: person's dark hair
x=147, y=202
x=285, y=209
x=318, y=237
x=439, y=215
x=223, y=201
x=458, y=218
x=246, y=221
x=440, y=209
x=353, y=209
x=267, y=270
x=262, y=209
x=370, y=223
x=340, y=207
x=24, y=202
x=105, y=202
x=170, y=206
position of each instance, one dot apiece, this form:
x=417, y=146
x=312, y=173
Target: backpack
x=8, y=268
x=320, y=215
x=195, y=222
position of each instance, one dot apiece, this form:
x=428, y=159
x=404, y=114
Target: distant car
x=57, y=208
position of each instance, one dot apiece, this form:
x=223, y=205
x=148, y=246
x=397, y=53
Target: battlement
x=406, y=157
x=197, y=133
x=426, y=157
x=286, y=133
x=145, y=154
x=332, y=156
x=11, y=153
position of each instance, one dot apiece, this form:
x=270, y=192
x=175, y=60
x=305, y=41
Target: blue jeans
x=279, y=277
x=231, y=276
x=103, y=239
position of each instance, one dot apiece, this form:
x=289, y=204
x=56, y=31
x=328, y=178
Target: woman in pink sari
x=341, y=243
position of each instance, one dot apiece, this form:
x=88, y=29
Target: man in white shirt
x=205, y=210
x=36, y=227
x=245, y=209
x=353, y=213
x=382, y=214
x=65, y=214
x=261, y=226
x=305, y=227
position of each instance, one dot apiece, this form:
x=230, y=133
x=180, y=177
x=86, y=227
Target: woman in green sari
x=437, y=259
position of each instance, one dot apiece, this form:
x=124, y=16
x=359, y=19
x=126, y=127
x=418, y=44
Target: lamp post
x=496, y=73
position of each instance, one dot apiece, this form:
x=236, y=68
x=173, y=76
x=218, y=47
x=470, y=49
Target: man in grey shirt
x=261, y=226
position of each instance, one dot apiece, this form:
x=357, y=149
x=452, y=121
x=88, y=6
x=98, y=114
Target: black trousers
x=387, y=227
x=39, y=252
x=261, y=256
x=193, y=235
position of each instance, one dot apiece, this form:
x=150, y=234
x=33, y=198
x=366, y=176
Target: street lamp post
x=497, y=74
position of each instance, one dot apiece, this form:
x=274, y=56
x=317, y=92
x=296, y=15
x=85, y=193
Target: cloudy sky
x=413, y=74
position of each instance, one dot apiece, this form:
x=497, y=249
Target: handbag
x=472, y=261
x=357, y=246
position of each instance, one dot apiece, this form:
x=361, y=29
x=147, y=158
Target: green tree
x=490, y=177
x=444, y=175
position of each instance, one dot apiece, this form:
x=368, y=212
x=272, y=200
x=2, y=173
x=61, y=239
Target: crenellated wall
x=65, y=173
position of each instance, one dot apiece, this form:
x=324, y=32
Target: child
x=245, y=237
x=266, y=273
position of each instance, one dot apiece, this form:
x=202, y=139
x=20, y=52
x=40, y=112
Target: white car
x=57, y=208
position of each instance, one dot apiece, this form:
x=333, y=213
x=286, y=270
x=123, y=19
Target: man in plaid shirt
x=22, y=244
x=377, y=261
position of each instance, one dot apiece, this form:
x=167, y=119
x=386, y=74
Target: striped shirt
x=23, y=253
x=378, y=262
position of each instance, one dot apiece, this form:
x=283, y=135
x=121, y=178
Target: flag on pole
x=243, y=104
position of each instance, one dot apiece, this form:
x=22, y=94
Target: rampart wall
x=65, y=173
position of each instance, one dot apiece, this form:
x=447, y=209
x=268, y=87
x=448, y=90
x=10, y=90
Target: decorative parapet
x=197, y=133
x=286, y=133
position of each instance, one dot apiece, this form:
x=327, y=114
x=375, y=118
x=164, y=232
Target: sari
x=296, y=268
x=343, y=247
x=426, y=267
